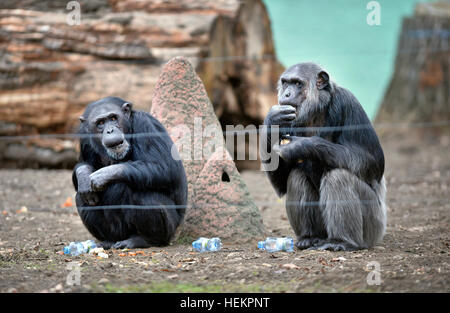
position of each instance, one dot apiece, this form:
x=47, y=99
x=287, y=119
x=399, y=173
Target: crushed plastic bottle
x=203, y=244
x=273, y=244
x=77, y=248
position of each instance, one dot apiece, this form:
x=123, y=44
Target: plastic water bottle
x=272, y=244
x=77, y=248
x=203, y=244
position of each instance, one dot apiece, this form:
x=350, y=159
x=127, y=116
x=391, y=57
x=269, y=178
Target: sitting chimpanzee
x=332, y=166
x=131, y=192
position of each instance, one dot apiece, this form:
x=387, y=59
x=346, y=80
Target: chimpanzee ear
x=82, y=119
x=126, y=108
x=322, y=80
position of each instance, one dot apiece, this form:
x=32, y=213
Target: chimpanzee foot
x=333, y=245
x=132, y=243
x=106, y=244
x=305, y=243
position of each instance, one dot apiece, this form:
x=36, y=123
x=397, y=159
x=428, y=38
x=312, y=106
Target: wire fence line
x=258, y=58
x=250, y=130
x=233, y=58
x=260, y=204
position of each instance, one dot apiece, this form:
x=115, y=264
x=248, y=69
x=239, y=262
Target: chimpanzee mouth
x=119, y=151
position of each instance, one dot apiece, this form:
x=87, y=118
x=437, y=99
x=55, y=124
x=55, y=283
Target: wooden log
x=241, y=70
x=50, y=70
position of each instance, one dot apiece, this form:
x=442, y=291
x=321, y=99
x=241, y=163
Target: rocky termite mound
x=219, y=202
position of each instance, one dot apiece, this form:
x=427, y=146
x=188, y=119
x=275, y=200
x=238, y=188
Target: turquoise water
x=335, y=34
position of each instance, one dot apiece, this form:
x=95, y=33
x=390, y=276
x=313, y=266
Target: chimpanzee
x=131, y=192
x=332, y=165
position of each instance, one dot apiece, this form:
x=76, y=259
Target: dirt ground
x=413, y=257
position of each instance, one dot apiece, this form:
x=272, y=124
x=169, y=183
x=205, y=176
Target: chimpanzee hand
x=294, y=151
x=281, y=115
x=87, y=195
x=102, y=177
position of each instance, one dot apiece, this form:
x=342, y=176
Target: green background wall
x=335, y=34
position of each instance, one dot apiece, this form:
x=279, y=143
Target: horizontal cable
x=258, y=203
x=243, y=131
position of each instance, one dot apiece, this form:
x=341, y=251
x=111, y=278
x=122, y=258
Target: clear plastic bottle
x=77, y=248
x=273, y=244
x=203, y=244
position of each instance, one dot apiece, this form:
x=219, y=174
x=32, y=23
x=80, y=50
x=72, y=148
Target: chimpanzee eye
x=113, y=118
x=100, y=123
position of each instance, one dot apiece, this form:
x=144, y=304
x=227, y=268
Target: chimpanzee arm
x=279, y=116
x=141, y=175
x=276, y=168
x=352, y=157
x=355, y=158
x=85, y=165
x=82, y=183
x=80, y=175
x=356, y=149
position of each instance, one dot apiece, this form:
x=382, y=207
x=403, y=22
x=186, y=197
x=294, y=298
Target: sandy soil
x=413, y=257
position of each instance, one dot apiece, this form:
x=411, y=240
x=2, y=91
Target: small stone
x=23, y=209
x=96, y=250
x=87, y=287
x=57, y=288
x=103, y=255
x=338, y=259
x=290, y=266
x=106, y=265
x=103, y=280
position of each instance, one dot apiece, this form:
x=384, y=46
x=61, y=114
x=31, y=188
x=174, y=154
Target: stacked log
x=50, y=70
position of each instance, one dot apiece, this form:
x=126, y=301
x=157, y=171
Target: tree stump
x=419, y=89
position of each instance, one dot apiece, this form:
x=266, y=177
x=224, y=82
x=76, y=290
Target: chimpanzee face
x=304, y=87
x=293, y=88
x=110, y=123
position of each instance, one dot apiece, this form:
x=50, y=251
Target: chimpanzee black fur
x=118, y=169
x=332, y=177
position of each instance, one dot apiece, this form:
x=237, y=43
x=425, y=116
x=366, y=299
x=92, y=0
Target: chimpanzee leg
x=107, y=224
x=128, y=227
x=302, y=207
x=155, y=225
x=351, y=210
